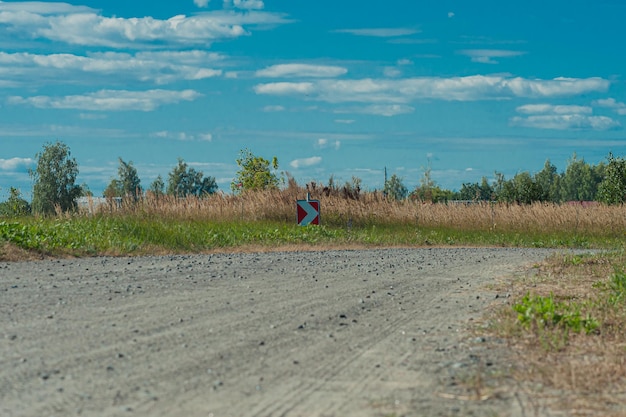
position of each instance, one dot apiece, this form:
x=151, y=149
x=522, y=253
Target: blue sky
x=343, y=88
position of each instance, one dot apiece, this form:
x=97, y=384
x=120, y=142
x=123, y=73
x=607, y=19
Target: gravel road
x=328, y=333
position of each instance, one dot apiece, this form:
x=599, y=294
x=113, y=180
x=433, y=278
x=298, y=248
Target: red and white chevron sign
x=308, y=212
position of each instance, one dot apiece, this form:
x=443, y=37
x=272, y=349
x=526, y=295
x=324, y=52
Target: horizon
x=331, y=88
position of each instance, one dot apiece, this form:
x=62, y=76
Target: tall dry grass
x=373, y=208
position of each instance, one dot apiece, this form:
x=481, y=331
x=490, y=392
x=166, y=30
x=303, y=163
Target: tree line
x=581, y=181
x=55, y=188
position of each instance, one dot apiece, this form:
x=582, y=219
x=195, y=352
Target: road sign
x=308, y=212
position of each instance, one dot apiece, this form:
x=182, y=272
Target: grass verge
x=137, y=233
x=565, y=330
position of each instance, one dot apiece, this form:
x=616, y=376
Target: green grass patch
x=138, y=234
x=546, y=312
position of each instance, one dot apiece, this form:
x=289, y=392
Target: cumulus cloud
x=388, y=109
x=324, y=143
x=485, y=56
x=43, y=8
x=91, y=116
x=381, y=32
x=284, y=88
x=470, y=88
x=380, y=109
x=16, y=164
x=85, y=26
x=549, y=108
x=158, y=67
x=392, y=72
x=611, y=103
x=201, y=3
x=562, y=117
x=567, y=122
x=272, y=109
x=110, y=100
x=301, y=70
x=305, y=162
x=184, y=136
x=244, y=4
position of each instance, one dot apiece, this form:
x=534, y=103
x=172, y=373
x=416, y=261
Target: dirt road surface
x=329, y=333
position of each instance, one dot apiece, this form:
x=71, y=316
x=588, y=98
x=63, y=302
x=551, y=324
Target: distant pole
x=385, y=184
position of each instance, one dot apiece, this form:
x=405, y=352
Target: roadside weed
x=539, y=311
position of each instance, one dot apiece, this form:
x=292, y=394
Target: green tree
x=476, y=192
x=426, y=190
x=255, y=173
x=526, y=188
x=55, y=180
x=549, y=182
x=521, y=189
x=114, y=189
x=158, y=186
x=578, y=182
x=395, y=189
x=184, y=181
x=612, y=189
x=127, y=184
x=15, y=204
x=129, y=179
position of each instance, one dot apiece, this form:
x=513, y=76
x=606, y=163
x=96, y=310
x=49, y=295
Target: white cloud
x=184, y=136
x=470, y=88
x=158, y=67
x=301, y=70
x=201, y=3
x=566, y=122
x=392, y=72
x=84, y=26
x=248, y=4
x=387, y=110
x=43, y=8
x=486, y=56
x=552, y=109
x=305, y=162
x=271, y=109
x=450, y=15
x=556, y=87
x=324, y=143
x=16, y=164
x=381, y=32
x=611, y=103
x=283, y=88
x=91, y=116
x=562, y=117
x=110, y=100
x=344, y=121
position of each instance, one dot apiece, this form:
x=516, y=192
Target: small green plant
x=617, y=287
x=544, y=312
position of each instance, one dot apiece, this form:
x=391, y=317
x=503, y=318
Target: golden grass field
x=374, y=209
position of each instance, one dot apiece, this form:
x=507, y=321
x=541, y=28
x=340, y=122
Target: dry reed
x=374, y=208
